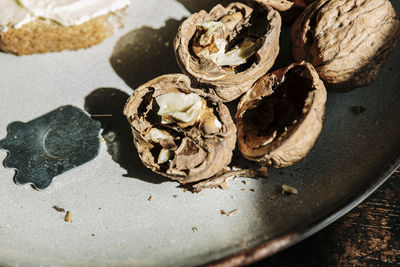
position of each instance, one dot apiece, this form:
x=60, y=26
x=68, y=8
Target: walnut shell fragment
x=180, y=132
x=347, y=41
x=228, y=49
x=281, y=117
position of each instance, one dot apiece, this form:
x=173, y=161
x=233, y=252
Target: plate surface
x=113, y=221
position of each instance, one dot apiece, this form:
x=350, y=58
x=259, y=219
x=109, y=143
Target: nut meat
x=281, y=117
x=180, y=132
x=228, y=49
x=347, y=41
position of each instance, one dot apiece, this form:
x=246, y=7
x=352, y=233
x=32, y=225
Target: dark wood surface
x=369, y=235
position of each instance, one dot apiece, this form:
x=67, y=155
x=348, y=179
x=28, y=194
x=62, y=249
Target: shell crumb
x=288, y=189
x=229, y=213
x=223, y=185
x=57, y=208
x=68, y=217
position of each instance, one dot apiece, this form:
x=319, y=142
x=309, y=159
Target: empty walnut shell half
x=180, y=132
x=347, y=41
x=228, y=49
x=281, y=117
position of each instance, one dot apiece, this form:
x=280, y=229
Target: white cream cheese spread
x=15, y=13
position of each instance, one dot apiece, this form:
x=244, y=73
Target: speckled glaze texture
x=113, y=221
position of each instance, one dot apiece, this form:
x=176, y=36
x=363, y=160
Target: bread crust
x=42, y=36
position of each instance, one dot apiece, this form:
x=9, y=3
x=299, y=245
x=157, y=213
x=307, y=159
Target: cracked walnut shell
x=281, y=117
x=346, y=41
x=228, y=49
x=180, y=132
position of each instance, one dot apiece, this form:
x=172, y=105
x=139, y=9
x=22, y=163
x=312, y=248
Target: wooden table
x=369, y=235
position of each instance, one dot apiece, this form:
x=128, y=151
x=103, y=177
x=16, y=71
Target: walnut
x=289, y=9
x=179, y=131
x=280, y=118
x=347, y=41
x=228, y=49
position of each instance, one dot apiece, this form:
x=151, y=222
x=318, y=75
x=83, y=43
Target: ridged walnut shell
x=289, y=9
x=281, y=117
x=229, y=83
x=198, y=155
x=347, y=41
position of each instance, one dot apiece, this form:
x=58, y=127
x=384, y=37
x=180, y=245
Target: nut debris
x=224, y=176
x=68, y=217
x=229, y=213
x=58, y=208
x=286, y=189
x=223, y=185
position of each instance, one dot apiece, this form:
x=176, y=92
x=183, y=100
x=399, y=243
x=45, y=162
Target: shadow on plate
x=145, y=53
x=106, y=105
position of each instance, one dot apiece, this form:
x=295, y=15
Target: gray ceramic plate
x=113, y=221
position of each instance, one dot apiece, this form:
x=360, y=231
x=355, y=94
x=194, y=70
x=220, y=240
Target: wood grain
x=369, y=235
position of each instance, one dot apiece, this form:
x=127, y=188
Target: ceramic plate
x=114, y=223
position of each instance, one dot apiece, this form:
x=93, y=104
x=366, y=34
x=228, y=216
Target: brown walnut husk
x=228, y=83
x=281, y=117
x=347, y=41
x=198, y=154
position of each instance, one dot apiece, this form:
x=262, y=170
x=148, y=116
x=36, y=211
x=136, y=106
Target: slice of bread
x=43, y=35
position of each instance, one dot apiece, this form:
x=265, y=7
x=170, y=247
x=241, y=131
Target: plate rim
x=287, y=239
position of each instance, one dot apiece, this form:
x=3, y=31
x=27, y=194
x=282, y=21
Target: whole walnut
x=347, y=41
